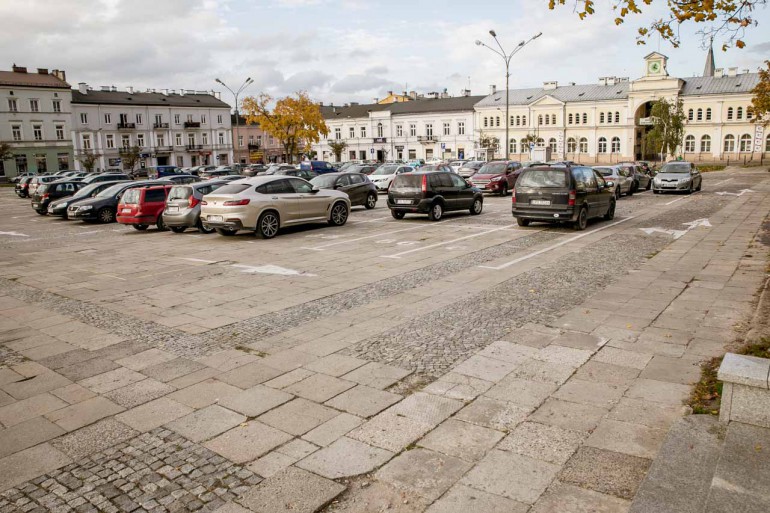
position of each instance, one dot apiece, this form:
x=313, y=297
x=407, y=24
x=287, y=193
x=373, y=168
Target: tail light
x=203, y=202
x=513, y=196
x=571, y=200
x=45, y=196
x=424, y=187
x=193, y=201
x=236, y=203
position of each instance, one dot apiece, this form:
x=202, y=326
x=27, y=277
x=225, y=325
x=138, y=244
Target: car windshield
x=385, y=170
x=407, y=183
x=676, y=167
x=111, y=191
x=233, y=188
x=85, y=191
x=493, y=168
x=43, y=188
x=605, y=171
x=473, y=165
x=324, y=181
x=543, y=178
x=180, y=192
x=131, y=197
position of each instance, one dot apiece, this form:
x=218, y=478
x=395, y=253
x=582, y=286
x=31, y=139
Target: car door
x=312, y=205
x=443, y=186
x=604, y=194
x=281, y=195
x=510, y=175
x=463, y=192
x=358, y=189
x=593, y=196
x=344, y=184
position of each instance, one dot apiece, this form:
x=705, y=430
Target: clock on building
x=653, y=67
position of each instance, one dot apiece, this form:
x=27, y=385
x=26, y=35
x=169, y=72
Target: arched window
x=512, y=148
x=583, y=146
x=524, y=120
x=511, y=121
x=547, y=119
x=745, y=143
x=571, y=144
x=553, y=119
x=749, y=112
x=497, y=121
x=518, y=120
x=708, y=114
x=486, y=121
x=601, y=117
x=729, y=146
x=617, y=117
x=689, y=144
x=739, y=113
x=540, y=142
x=767, y=144
x=609, y=117
x=569, y=119
x=705, y=144
x=585, y=118
x=616, y=145
x=729, y=113
x=379, y=129
x=540, y=119
x=602, y=145
x=690, y=115
x=552, y=144
x=700, y=115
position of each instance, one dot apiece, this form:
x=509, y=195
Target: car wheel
x=225, y=231
x=649, y=185
x=41, y=212
x=477, y=207
x=339, y=215
x=617, y=192
x=203, y=229
x=655, y=191
x=522, y=222
x=178, y=229
x=371, y=201
x=610, y=215
x=397, y=215
x=700, y=184
x=689, y=189
x=105, y=215
x=139, y=227
x=436, y=212
x=630, y=191
x=160, y=224
x=267, y=225
x=582, y=220
x=504, y=190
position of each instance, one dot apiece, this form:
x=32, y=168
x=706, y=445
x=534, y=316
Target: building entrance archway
x=642, y=127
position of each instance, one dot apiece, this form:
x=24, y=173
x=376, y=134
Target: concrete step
x=680, y=477
x=741, y=481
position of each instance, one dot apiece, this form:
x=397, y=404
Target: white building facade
x=185, y=128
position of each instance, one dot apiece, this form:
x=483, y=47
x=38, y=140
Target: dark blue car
x=318, y=166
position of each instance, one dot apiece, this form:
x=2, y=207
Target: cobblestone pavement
x=403, y=366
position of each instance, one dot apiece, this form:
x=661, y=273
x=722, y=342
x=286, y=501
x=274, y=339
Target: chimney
x=113, y=89
x=59, y=73
x=466, y=92
x=83, y=88
x=603, y=81
x=390, y=93
x=105, y=88
x=42, y=71
x=164, y=92
x=413, y=95
x=550, y=86
x=130, y=89
x=19, y=69
x=492, y=89
x=732, y=72
x=719, y=72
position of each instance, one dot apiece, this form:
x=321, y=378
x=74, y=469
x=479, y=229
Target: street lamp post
x=507, y=59
x=247, y=83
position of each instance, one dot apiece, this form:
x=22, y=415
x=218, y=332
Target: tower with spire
x=708, y=70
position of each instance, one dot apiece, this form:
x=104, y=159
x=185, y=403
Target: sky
x=340, y=50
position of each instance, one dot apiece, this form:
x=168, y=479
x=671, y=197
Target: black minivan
x=432, y=193
x=48, y=192
x=559, y=194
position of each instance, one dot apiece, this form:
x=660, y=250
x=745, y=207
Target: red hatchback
x=142, y=206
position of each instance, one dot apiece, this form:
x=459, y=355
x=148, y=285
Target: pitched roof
x=126, y=98
x=742, y=83
x=351, y=111
x=13, y=78
x=422, y=105
x=570, y=93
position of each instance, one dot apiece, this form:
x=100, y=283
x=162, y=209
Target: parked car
x=58, y=207
x=457, y=164
x=142, y=172
x=103, y=207
x=272, y=168
x=621, y=180
x=498, y=177
x=38, y=180
x=22, y=186
x=182, y=178
x=443, y=168
x=318, y=166
x=156, y=172
x=305, y=174
x=228, y=178
x=253, y=169
x=217, y=172
x=641, y=179
x=142, y=206
x=265, y=204
x=364, y=169
x=562, y=194
x=416, y=163
x=17, y=178
x=383, y=175
x=105, y=177
x=346, y=165
x=470, y=168
x=48, y=192
x=183, y=205
x=677, y=176
x=433, y=193
x=358, y=187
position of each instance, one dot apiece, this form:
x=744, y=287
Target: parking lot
x=410, y=301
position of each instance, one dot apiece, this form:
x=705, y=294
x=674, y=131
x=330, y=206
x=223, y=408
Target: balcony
x=124, y=149
x=126, y=126
x=426, y=138
x=164, y=149
x=160, y=125
x=193, y=147
x=254, y=146
x=192, y=124
x=380, y=140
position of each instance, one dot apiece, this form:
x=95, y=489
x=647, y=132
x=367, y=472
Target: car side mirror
x=610, y=184
x=315, y=190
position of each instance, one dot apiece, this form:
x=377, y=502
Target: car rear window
x=492, y=168
x=604, y=171
x=154, y=195
x=543, y=178
x=407, y=183
x=180, y=192
x=131, y=197
x=233, y=188
x=324, y=181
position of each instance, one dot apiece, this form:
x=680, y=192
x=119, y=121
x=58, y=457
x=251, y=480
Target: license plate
x=540, y=202
x=215, y=218
x=669, y=185
x=172, y=209
x=404, y=202
x=35, y=205
x=125, y=211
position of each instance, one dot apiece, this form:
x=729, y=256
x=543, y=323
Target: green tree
x=667, y=134
x=88, y=159
x=725, y=19
x=529, y=138
x=489, y=143
x=130, y=156
x=337, y=148
x=6, y=152
x=761, y=99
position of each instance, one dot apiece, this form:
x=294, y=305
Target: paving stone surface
x=206, y=423
x=605, y=472
x=297, y=417
x=139, y=393
x=153, y=414
x=426, y=473
x=364, y=401
x=493, y=414
x=319, y=387
x=463, y=499
x=461, y=439
x=345, y=458
x=565, y=498
x=391, y=432
x=27, y=434
x=291, y=490
x=256, y=400
x=247, y=442
x=543, y=442
x=97, y=437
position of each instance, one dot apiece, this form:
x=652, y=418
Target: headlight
x=684, y=180
x=62, y=204
x=496, y=179
x=656, y=181
x=85, y=207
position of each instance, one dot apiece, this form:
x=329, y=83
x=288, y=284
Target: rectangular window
x=412, y=133
x=221, y=137
x=178, y=139
x=429, y=129
x=13, y=105
x=57, y=105
x=86, y=142
x=84, y=118
x=203, y=119
x=21, y=164
x=59, y=132
x=352, y=155
x=160, y=140
x=64, y=161
x=219, y=118
x=158, y=119
x=240, y=141
x=352, y=132
x=363, y=131
x=140, y=140
x=461, y=128
x=177, y=119
x=205, y=138
x=108, y=119
x=337, y=134
x=110, y=141
x=399, y=130
x=189, y=118
x=259, y=139
x=40, y=162
x=446, y=129
x=16, y=131
x=251, y=140
x=37, y=132
x=191, y=139
x=139, y=119
x=124, y=119
x=126, y=141
x=412, y=154
x=34, y=105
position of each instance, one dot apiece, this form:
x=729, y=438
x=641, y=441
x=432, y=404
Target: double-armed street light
x=507, y=58
x=247, y=83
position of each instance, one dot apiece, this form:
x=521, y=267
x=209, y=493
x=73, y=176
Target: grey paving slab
x=605, y=472
x=672, y=394
x=335, y=364
x=204, y=393
x=623, y=357
x=231, y=507
x=256, y=400
x=288, y=359
x=603, y=395
x=247, y=442
x=543, y=442
x=646, y=413
x=172, y=369
x=607, y=373
x=391, y=432
x=102, y=435
x=88, y=368
x=511, y=475
x=508, y=351
x=378, y=496
x=463, y=499
x=524, y=392
x=206, y=423
x=565, y=498
x=8, y=376
x=73, y=393
x=29, y=464
x=560, y=355
x=683, y=370
x=298, y=448
x=38, y=384
x=569, y=415
x=112, y=380
x=363, y=401
x=333, y=429
x=289, y=378
x=345, y=458
x=81, y=414
x=271, y=463
x=461, y=440
x=319, y=387
x=153, y=414
x=292, y=490
x=577, y=340
x=139, y=393
x=228, y=359
x=491, y=413
x=458, y=386
x=488, y=369
x=145, y=359
x=424, y=472
x=26, y=434
x=297, y=417
x=196, y=377
x=427, y=408
x=377, y=375
x=26, y=409
x=547, y=372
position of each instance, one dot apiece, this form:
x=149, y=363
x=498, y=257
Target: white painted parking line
x=377, y=219
x=324, y=246
x=200, y=260
x=399, y=255
x=14, y=234
x=723, y=181
x=88, y=233
x=554, y=246
x=270, y=269
x=682, y=198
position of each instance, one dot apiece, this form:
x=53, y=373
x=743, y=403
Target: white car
x=457, y=164
x=383, y=175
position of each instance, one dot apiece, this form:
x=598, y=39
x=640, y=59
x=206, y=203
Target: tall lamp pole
x=247, y=83
x=507, y=59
